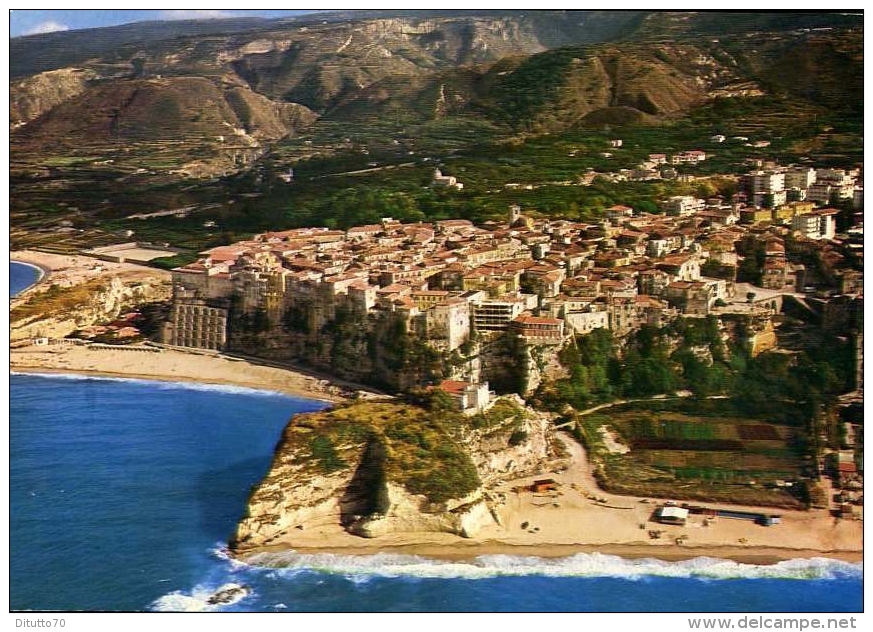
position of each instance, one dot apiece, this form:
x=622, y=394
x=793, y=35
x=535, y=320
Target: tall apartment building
x=198, y=323
x=767, y=188
x=682, y=205
x=799, y=177
x=816, y=225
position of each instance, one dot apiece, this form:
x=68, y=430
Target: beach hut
x=672, y=515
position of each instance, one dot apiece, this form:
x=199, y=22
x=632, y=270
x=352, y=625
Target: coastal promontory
x=383, y=467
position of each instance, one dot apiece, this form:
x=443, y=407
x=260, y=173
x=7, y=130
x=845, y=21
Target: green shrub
x=517, y=437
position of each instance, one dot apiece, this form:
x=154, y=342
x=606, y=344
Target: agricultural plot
x=725, y=459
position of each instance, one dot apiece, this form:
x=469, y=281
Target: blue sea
x=123, y=492
x=21, y=276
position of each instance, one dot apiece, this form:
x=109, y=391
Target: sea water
x=21, y=276
x=124, y=492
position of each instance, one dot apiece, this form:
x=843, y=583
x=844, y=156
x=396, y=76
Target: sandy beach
x=168, y=364
x=173, y=365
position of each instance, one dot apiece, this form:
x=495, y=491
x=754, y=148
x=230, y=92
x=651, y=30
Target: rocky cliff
x=378, y=468
x=56, y=311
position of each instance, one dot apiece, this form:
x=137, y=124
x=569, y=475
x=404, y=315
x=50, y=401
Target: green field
x=700, y=457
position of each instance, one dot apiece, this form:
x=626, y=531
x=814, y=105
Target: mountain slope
x=167, y=121
x=148, y=103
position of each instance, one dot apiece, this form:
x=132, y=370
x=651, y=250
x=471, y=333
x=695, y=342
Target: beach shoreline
x=48, y=372
x=579, y=517
x=173, y=365
x=468, y=552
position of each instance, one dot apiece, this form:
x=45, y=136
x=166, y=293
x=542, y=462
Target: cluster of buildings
x=541, y=279
x=661, y=166
x=777, y=186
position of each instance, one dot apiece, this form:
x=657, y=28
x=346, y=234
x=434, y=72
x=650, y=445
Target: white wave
x=196, y=601
x=362, y=567
x=165, y=384
x=220, y=552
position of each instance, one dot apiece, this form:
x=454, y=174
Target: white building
x=819, y=224
x=799, y=177
x=585, y=322
x=693, y=157
x=683, y=205
x=770, y=200
x=446, y=181
x=834, y=177
x=470, y=397
x=767, y=181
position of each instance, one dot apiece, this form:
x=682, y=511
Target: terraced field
x=711, y=458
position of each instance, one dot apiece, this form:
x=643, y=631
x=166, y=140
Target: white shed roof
x=674, y=512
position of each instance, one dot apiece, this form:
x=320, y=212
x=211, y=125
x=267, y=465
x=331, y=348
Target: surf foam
x=196, y=601
x=578, y=565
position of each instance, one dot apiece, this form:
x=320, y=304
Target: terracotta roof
x=454, y=386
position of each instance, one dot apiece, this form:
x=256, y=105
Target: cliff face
x=382, y=468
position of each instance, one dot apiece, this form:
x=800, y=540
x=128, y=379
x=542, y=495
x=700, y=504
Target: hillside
x=169, y=108
x=162, y=123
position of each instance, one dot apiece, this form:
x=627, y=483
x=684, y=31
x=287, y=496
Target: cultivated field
x=702, y=457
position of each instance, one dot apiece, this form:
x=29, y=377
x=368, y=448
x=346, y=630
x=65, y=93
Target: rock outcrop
x=379, y=468
x=61, y=311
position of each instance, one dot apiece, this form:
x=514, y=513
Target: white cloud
x=49, y=26
x=196, y=14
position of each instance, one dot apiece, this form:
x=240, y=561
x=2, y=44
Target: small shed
x=672, y=515
x=544, y=485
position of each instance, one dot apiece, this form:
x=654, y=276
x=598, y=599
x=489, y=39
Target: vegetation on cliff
x=695, y=354
x=57, y=300
x=419, y=448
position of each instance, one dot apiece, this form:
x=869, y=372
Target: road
x=360, y=171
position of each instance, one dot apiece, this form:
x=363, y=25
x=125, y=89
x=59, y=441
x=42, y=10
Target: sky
x=31, y=22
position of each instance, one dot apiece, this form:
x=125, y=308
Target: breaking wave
x=195, y=601
x=361, y=567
